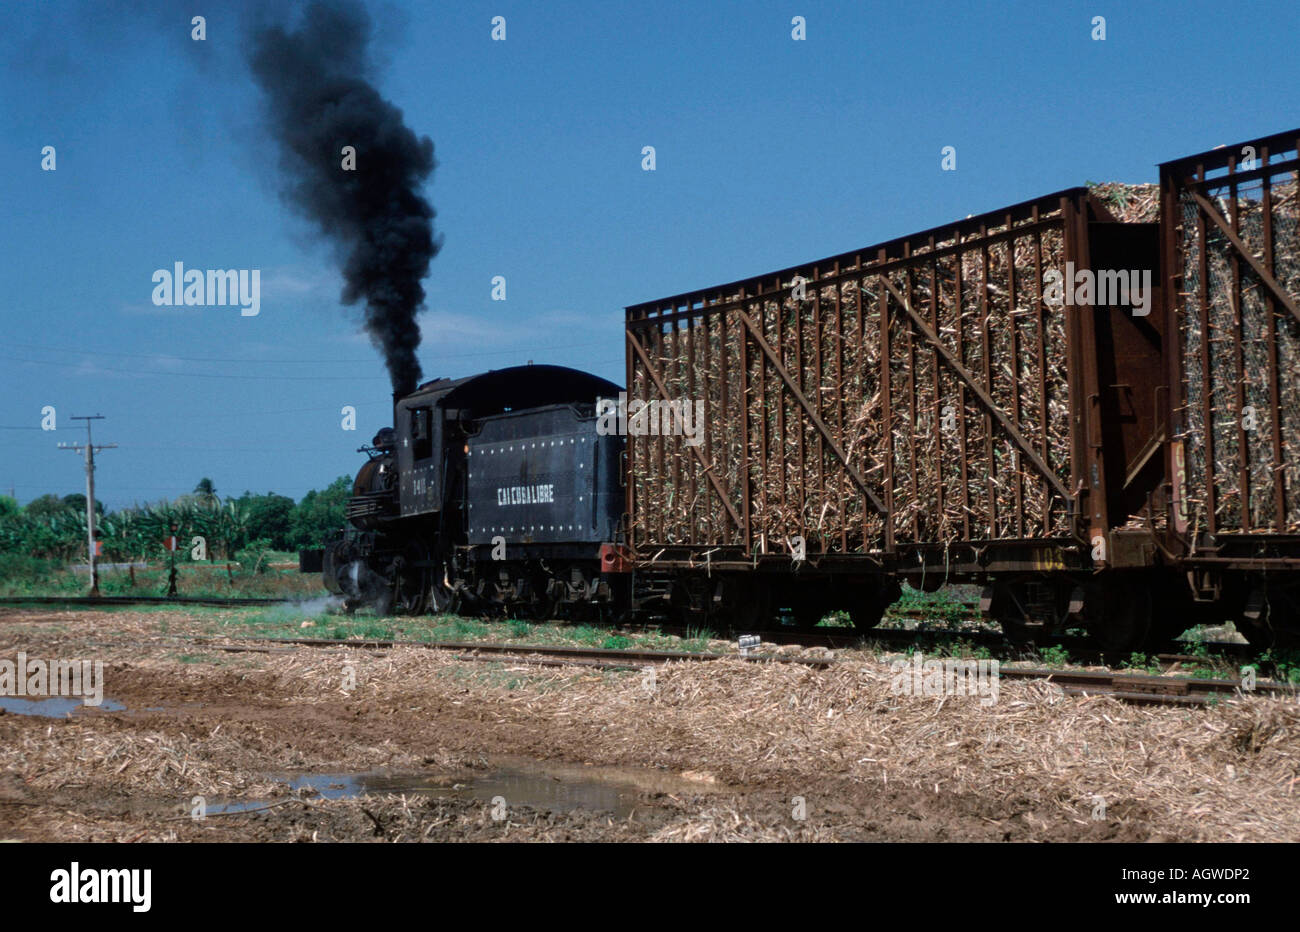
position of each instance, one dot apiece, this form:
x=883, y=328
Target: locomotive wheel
x=410, y=581
x=542, y=609
x=539, y=606
x=441, y=600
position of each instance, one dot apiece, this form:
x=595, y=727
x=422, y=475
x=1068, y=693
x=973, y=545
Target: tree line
x=54, y=528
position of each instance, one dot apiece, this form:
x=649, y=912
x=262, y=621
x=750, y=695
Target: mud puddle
x=55, y=706
x=510, y=782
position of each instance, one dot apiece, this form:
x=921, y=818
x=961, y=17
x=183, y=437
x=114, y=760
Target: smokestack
x=319, y=100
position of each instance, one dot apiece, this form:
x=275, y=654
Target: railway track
x=1142, y=688
x=835, y=638
x=630, y=658
x=1128, y=687
x=1079, y=649
x=1147, y=690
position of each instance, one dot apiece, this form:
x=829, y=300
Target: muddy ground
x=407, y=744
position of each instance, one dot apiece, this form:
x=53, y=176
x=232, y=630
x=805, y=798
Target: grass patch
x=964, y=649
x=287, y=621
x=1141, y=662
x=697, y=640
x=22, y=575
x=1055, y=656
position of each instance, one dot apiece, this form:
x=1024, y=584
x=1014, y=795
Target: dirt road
x=413, y=744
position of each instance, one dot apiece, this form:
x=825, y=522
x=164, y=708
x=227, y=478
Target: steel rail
x=1135, y=688
x=562, y=652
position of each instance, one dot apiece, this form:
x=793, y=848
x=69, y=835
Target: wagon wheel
x=1017, y=631
x=866, y=613
x=1174, y=611
x=684, y=595
x=746, y=606
x=808, y=612
x=870, y=604
x=1009, y=612
x=1124, y=622
x=1276, y=627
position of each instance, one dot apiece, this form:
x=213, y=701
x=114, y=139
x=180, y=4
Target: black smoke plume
x=320, y=98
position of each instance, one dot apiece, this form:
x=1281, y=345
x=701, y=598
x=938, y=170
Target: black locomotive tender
x=916, y=411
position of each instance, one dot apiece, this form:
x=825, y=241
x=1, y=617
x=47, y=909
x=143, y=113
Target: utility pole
x=90, y=448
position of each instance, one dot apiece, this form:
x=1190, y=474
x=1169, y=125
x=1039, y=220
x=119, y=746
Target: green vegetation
x=288, y=620
x=938, y=610
x=241, y=539
x=963, y=649
x=28, y=576
x=1055, y=656
x=1141, y=662
x=1206, y=664
x=589, y=636
x=696, y=640
x=1285, y=663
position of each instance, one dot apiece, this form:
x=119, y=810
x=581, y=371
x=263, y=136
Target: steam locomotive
x=492, y=493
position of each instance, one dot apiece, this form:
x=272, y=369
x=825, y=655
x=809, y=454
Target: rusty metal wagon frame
x=1230, y=242
x=785, y=364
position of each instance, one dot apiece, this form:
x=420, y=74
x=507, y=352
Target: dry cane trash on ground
x=840, y=738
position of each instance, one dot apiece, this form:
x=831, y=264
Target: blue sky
x=769, y=152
